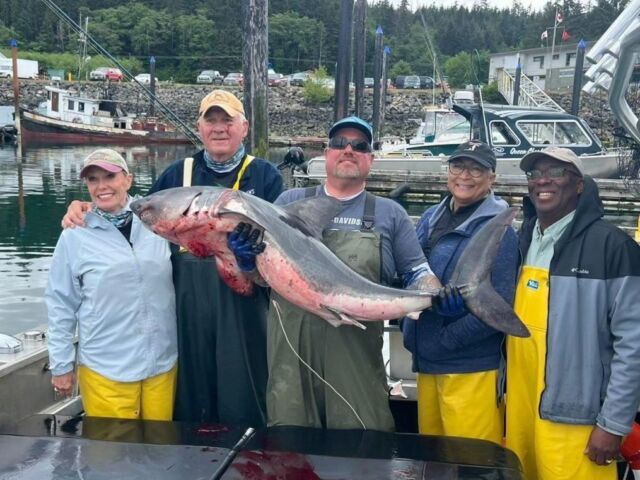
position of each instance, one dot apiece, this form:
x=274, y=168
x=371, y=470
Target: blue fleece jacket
x=461, y=344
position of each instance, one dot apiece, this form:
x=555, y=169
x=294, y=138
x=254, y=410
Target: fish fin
x=486, y=304
x=414, y=315
x=342, y=319
x=472, y=276
x=312, y=215
x=232, y=276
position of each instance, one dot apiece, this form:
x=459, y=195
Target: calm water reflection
x=34, y=193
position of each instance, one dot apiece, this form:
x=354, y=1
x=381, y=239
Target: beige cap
x=556, y=153
x=105, y=158
x=225, y=100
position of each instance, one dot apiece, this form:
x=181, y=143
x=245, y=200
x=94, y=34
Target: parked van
x=463, y=97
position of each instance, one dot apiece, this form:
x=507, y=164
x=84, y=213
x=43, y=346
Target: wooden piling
x=255, y=52
x=16, y=85
x=516, y=87
x=377, y=83
x=343, y=67
x=152, y=85
x=360, y=53
x=577, y=79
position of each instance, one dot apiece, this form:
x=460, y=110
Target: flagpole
x=553, y=43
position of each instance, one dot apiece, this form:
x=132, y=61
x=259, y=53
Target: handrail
x=531, y=95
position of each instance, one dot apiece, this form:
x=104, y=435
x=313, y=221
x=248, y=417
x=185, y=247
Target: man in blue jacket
x=457, y=356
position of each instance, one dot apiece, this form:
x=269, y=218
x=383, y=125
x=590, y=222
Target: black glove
x=244, y=244
x=449, y=302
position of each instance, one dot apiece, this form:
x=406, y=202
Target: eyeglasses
x=551, y=173
x=340, y=143
x=475, y=170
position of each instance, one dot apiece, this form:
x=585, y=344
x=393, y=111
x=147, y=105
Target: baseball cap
x=106, y=159
x=557, y=153
x=227, y=101
x=352, y=122
x=477, y=151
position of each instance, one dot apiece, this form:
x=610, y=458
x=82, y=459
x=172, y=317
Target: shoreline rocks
x=289, y=114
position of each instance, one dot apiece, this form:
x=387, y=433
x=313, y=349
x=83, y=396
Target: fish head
x=166, y=212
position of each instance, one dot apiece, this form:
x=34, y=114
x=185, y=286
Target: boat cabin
x=514, y=131
x=69, y=106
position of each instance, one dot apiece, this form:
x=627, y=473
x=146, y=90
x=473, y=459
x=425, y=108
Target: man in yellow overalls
x=573, y=387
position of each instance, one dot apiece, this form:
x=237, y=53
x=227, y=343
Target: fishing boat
x=68, y=117
x=439, y=133
x=511, y=131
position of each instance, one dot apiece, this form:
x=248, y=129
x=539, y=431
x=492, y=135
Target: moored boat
x=71, y=118
x=511, y=132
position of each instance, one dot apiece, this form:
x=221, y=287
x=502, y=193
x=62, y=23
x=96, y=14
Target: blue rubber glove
x=449, y=302
x=244, y=244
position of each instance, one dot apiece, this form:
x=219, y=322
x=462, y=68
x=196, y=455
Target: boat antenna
x=484, y=115
x=432, y=50
x=172, y=117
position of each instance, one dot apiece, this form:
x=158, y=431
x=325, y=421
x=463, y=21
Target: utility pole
x=255, y=53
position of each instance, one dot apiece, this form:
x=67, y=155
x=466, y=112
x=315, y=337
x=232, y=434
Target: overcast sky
x=536, y=4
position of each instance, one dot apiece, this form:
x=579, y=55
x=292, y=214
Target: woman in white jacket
x=112, y=283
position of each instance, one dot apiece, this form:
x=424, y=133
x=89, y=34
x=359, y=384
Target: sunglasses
x=551, y=173
x=340, y=143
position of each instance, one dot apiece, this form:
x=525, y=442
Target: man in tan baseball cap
x=561, y=154
x=227, y=101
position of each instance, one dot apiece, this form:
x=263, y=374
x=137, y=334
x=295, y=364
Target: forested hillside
x=189, y=35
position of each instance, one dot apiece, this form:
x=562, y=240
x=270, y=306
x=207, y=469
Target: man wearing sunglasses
x=457, y=357
x=376, y=238
x=574, y=385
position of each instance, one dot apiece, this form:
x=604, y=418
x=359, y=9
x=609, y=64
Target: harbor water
x=35, y=190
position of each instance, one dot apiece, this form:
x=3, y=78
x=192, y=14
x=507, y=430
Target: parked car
x=210, y=76
x=99, y=73
x=278, y=80
x=115, y=75
x=234, y=79
x=368, y=82
x=298, y=79
x=145, y=78
x=426, y=82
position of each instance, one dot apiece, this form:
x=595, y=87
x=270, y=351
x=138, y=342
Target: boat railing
x=531, y=95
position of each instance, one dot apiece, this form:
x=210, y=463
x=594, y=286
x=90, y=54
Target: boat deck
x=58, y=447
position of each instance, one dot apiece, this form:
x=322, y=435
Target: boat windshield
x=445, y=126
x=551, y=132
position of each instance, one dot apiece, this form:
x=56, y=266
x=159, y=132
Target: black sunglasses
x=340, y=143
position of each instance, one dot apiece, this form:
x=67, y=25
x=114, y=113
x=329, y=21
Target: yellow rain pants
x=149, y=399
x=547, y=450
x=460, y=405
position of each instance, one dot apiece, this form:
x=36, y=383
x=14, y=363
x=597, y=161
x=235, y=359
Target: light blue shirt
x=119, y=297
x=541, y=249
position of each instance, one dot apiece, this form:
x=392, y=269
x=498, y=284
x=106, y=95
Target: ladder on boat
x=531, y=95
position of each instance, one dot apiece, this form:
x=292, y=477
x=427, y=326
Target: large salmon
x=297, y=265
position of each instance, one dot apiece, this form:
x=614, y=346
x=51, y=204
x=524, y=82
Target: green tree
x=315, y=89
x=400, y=68
x=459, y=69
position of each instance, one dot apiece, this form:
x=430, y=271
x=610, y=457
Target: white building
x=537, y=64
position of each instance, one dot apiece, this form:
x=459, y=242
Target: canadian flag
x=544, y=35
x=558, y=17
x=565, y=36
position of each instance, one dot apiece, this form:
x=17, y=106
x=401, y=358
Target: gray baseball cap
x=556, y=153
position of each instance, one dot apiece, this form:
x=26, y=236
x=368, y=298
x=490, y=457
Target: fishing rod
x=172, y=117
